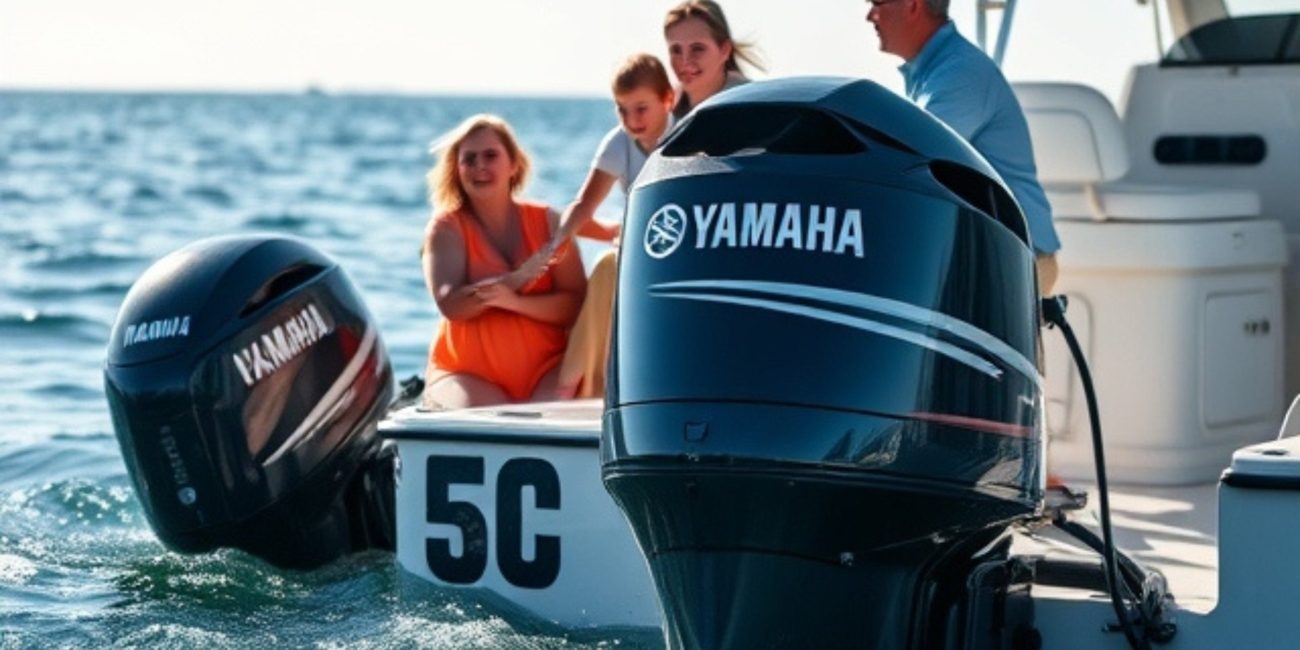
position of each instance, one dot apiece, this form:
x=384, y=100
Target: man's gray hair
x=937, y=7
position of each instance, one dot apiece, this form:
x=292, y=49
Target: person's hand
x=494, y=292
x=532, y=268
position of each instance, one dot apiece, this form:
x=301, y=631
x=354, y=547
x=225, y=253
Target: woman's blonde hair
x=445, y=191
x=711, y=13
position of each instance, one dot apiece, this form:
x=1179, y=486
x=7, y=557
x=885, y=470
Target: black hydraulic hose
x=1148, y=589
x=1054, y=313
x=1133, y=575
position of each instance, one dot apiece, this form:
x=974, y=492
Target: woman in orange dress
x=502, y=335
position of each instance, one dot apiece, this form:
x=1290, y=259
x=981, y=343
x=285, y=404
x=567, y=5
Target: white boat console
x=1176, y=292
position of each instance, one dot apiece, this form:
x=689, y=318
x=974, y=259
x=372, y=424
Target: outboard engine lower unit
x=245, y=380
x=824, y=407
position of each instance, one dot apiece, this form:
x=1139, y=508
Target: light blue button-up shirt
x=959, y=84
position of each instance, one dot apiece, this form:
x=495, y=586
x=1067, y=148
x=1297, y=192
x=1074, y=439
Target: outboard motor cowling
x=245, y=380
x=823, y=408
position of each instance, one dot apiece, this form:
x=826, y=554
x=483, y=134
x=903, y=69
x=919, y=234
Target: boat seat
x=1128, y=201
x=1081, y=156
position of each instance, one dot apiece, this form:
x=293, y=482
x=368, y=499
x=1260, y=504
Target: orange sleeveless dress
x=508, y=349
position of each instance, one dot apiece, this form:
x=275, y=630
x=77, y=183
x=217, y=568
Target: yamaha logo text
x=281, y=344
x=792, y=226
x=154, y=330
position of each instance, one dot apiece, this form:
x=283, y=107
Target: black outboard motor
x=823, y=406
x=245, y=380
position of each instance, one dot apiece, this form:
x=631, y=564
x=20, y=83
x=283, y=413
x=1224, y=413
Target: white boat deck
x=1172, y=529
x=573, y=418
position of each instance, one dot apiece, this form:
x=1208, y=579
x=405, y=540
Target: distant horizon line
x=307, y=90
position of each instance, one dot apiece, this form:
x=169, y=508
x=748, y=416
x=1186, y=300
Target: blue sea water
x=93, y=189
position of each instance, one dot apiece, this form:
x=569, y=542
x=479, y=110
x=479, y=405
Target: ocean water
x=93, y=189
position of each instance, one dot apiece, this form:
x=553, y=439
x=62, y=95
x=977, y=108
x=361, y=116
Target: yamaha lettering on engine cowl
x=245, y=380
x=824, y=408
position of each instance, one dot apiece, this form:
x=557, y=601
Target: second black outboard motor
x=245, y=380
x=823, y=407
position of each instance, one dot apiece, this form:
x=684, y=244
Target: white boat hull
x=521, y=488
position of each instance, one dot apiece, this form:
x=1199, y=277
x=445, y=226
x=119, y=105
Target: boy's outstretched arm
x=579, y=218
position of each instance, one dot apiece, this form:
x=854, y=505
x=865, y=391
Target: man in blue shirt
x=956, y=82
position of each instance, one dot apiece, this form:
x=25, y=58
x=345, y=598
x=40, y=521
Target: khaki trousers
x=1047, y=272
x=582, y=370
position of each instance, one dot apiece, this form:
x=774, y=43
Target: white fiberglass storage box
x=1175, y=292
x=1181, y=324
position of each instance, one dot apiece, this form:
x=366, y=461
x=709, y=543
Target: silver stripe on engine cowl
x=338, y=397
x=766, y=291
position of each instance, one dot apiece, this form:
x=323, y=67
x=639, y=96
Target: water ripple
x=212, y=195
x=282, y=221
x=67, y=291
x=34, y=324
x=84, y=261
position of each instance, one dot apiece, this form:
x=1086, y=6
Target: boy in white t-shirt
x=644, y=99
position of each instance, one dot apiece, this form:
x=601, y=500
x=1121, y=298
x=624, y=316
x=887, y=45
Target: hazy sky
x=529, y=47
